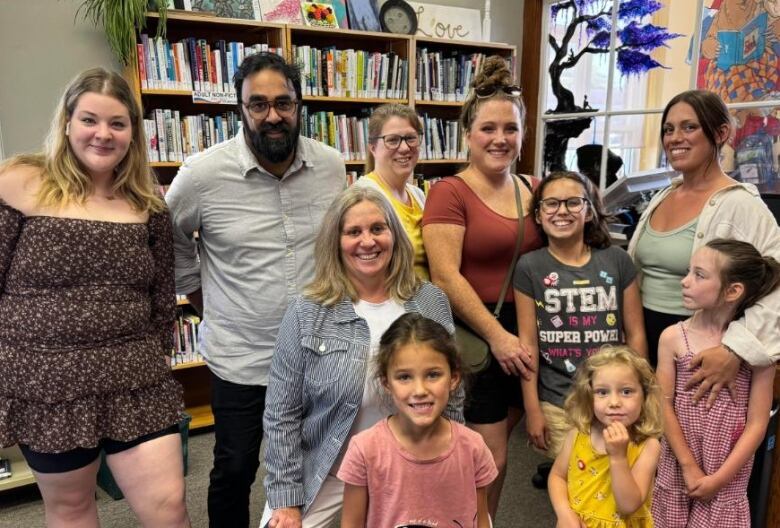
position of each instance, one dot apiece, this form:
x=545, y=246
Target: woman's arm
x=527, y=330
x=630, y=485
x=162, y=290
x=666, y=373
x=634, y=319
x=283, y=418
x=444, y=247
x=557, y=485
x=759, y=406
x=355, y=508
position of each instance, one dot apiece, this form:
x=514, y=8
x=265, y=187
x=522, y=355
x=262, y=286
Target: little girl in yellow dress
x=603, y=476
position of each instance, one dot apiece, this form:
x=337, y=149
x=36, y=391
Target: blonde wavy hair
x=331, y=284
x=494, y=73
x=579, y=403
x=63, y=177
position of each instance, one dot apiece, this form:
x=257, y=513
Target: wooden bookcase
x=195, y=377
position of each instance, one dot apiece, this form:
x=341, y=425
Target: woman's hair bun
x=495, y=72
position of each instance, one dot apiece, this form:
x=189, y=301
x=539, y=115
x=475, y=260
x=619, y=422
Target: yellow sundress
x=590, y=488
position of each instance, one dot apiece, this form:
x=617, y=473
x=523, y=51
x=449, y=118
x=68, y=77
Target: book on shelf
x=347, y=134
x=192, y=63
x=350, y=73
x=443, y=139
x=5, y=469
x=445, y=76
x=172, y=137
x=185, y=340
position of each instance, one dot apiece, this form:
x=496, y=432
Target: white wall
x=44, y=48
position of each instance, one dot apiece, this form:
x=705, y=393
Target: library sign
x=447, y=22
x=205, y=96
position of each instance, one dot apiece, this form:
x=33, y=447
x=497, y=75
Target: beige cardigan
x=737, y=212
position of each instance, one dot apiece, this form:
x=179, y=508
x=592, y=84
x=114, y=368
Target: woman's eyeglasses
x=490, y=90
x=575, y=204
x=393, y=141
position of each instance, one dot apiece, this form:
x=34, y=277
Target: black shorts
x=490, y=393
x=84, y=456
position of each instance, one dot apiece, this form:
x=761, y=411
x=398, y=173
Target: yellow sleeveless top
x=590, y=488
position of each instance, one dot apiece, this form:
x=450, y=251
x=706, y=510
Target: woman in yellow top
x=395, y=133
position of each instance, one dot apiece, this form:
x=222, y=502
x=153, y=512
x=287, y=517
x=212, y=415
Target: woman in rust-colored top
x=470, y=229
x=86, y=310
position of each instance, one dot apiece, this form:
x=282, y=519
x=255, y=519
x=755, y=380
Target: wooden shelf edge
x=201, y=416
x=361, y=100
x=163, y=91
x=194, y=16
x=465, y=43
x=188, y=365
x=428, y=102
x=160, y=164
x=22, y=474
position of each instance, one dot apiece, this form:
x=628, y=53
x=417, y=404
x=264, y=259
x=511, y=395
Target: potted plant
x=120, y=20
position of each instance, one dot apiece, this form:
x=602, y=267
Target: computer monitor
x=627, y=189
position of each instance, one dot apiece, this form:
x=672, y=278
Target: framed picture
x=340, y=7
x=227, y=8
x=318, y=14
x=363, y=15
x=282, y=11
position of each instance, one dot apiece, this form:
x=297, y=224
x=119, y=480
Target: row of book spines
x=443, y=139
x=185, y=340
x=441, y=78
x=348, y=135
x=192, y=64
x=352, y=73
x=171, y=137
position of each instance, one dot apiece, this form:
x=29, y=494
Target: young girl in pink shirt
x=416, y=467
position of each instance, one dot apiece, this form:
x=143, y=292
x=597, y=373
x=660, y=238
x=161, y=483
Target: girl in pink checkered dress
x=707, y=454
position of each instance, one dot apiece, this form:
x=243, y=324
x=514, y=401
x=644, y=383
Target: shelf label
x=224, y=98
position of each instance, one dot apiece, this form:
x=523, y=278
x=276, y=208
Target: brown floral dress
x=86, y=313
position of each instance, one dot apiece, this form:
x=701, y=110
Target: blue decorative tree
x=588, y=31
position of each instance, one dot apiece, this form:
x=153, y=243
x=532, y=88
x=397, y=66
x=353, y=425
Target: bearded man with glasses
x=257, y=201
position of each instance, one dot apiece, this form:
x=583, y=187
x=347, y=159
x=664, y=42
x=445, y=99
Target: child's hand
x=705, y=488
x=692, y=474
x=537, y=428
x=616, y=439
x=570, y=520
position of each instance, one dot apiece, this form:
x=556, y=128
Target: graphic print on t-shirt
x=578, y=310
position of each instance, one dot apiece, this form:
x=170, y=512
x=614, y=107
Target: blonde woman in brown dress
x=86, y=310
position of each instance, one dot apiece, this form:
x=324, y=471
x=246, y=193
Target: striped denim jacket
x=316, y=388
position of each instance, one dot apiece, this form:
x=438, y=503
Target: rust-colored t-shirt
x=490, y=238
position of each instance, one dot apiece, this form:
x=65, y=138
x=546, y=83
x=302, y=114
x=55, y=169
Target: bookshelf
x=352, y=104
x=22, y=474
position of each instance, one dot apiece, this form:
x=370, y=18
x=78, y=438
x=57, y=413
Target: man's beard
x=277, y=149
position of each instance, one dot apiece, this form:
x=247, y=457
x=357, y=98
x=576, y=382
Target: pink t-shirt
x=404, y=490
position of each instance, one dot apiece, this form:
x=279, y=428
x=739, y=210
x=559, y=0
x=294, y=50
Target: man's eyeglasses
x=259, y=109
x=490, y=90
x=393, y=141
x=575, y=204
